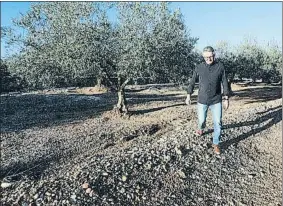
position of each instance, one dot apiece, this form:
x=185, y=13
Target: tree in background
x=4, y=77
x=226, y=54
x=67, y=42
x=250, y=60
x=151, y=41
x=171, y=48
x=60, y=46
x=75, y=44
x=9, y=82
x=254, y=59
x=272, y=71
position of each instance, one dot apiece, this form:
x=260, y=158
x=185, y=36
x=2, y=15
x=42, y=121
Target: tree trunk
x=99, y=82
x=121, y=106
x=230, y=81
x=122, y=103
x=253, y=80
x=229, y=86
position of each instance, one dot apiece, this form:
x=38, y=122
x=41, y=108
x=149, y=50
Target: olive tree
x=272, y=64
x=151, y=41
x=254, y=58
x=62, y=42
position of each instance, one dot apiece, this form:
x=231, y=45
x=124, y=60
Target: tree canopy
x=76, y=44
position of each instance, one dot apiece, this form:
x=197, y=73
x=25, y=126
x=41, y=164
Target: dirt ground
x=67, y=147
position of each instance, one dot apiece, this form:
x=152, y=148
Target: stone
x=85, y=185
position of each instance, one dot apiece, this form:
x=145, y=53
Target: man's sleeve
x=225, y=83
x=190, y=89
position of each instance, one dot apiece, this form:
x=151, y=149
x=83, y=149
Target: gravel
x=152, y=157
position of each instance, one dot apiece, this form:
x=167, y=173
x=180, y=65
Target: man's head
x=208, y=54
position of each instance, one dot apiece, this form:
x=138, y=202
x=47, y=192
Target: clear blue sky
x=232, y=21
x=210, y=21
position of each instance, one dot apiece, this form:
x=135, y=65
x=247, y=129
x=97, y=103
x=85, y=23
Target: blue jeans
x=216, y=110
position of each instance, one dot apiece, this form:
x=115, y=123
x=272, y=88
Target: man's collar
x=210, y=64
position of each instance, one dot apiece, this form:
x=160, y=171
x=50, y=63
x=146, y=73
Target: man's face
x=208, y=57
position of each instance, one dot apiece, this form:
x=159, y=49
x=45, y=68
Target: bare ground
x=69, y=148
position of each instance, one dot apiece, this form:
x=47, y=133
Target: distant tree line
x=251, y=61
x=76, y=44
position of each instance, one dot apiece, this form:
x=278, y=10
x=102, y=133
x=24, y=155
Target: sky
x=211, y=22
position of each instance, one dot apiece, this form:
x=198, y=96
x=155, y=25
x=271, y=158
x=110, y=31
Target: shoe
x=216, y=149
x=199, y=132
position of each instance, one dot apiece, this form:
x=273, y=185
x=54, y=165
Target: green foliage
x=75, y=44
x=8, y=81
x=153, y=43
x=64, y=43
x=254, y=55
x=272, y=64
x=250, y=60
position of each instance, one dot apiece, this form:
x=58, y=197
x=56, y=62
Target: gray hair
x=208, y=49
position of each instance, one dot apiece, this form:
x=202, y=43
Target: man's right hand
x=188, y=100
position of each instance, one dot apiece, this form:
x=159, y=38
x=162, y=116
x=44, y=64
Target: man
x=211, y=74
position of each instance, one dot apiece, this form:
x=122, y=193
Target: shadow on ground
x=135, y=98
x=33, y=170
x=273, y=116
x=144, y=111
x=44, y=110
x=260, y=94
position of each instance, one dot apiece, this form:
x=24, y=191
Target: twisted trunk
x=230, y=81
x=99, y=82
x=122, y=106
x=122, y=103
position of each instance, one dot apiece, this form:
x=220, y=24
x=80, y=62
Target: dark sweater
x=210, y=79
